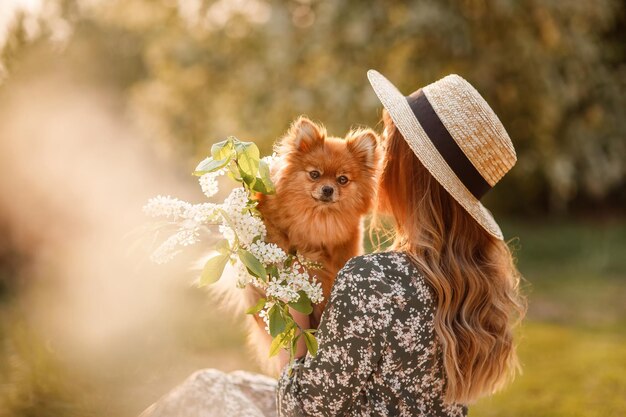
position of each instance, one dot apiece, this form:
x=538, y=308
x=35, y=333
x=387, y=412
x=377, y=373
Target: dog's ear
x=363, y=143
x=305, y=134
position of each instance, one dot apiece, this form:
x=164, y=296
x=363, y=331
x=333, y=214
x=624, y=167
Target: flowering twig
x=282, y=277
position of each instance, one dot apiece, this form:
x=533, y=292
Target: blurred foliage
x=554, y=71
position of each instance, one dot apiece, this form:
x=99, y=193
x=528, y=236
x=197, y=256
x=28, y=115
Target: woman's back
x=379, y=354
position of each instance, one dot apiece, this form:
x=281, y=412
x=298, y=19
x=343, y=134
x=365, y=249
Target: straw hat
x=455, y=135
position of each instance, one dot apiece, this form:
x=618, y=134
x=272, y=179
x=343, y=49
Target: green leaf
x=248, y=158
x=277, y=321
x=213, y=269
x=223, y=247
x=311, y=342
x=223, y=149
x=259, y=186
x=209, y=165
x=290, y=322
x=281, y=340
x=277, y=343
x=264, y=174
x=294, y=344
x=250, y=180
x=252, y=263
x=303, y=305
x=257, y=307
x=272, y=270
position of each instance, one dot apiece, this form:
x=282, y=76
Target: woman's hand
x=303, y=321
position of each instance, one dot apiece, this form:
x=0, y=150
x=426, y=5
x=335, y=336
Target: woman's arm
x=352, y=337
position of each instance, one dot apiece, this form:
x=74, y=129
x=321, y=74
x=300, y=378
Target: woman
x=420, y=330
x=425, y=328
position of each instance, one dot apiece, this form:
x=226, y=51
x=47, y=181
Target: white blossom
x=264, y=314
x=208, y=182
x=246, y=225
x=287, y=293
x=171, y=247
x=189, y=218
x=228, y=233
x=314, y=291
x=242, y=226
x=268, y=253
x=197, y=215
x=165, y=206
x=236, y=200
x=299, y=280
x=271, y=159
x=243, y=277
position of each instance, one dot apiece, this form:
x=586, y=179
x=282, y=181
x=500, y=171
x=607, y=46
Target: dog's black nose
x=327, y=190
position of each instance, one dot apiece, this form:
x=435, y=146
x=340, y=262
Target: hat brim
x=400, y=112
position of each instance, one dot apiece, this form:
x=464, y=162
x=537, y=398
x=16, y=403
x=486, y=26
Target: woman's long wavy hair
x=472, y=274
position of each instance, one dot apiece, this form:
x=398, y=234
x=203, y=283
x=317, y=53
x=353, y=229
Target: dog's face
x=327, y=173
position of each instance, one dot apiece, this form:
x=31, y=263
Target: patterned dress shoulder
x=378, y=353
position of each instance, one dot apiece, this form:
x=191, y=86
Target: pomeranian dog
x=324, y=187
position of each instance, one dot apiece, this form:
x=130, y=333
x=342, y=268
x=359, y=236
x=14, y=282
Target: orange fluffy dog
x=324, y=186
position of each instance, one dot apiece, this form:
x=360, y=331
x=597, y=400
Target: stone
x=213, y=393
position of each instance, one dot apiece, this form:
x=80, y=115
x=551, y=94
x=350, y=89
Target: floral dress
x=378, y=352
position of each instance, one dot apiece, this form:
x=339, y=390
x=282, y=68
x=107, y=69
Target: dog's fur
x=326, y=229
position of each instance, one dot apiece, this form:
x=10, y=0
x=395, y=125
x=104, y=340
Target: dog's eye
x=314, y=174
x=342, y=179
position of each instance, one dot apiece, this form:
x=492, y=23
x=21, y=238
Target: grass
x=572, y=345
x=568, y=371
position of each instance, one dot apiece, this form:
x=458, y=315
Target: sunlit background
x=105, y=103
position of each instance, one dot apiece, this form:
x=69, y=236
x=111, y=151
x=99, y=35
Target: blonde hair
x=472, y=274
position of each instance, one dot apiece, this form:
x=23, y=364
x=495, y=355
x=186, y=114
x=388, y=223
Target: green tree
x=553, y=71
